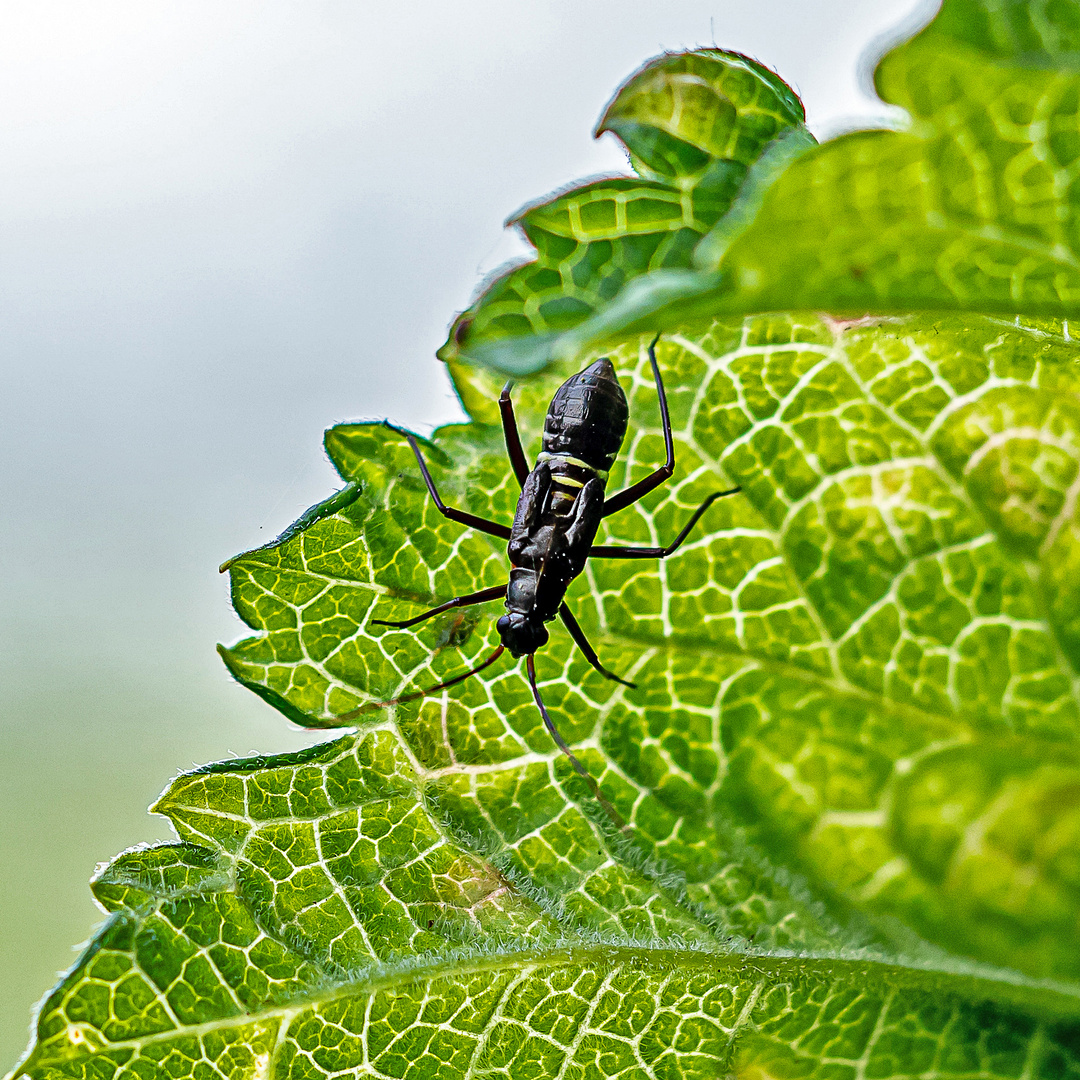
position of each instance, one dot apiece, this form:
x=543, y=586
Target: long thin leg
x=371, y=706
x=492, y=528
x=582, y=643
x=608, y=551
x=560, y=742
x=513, y=439
x=630, y=495
x=480, y=597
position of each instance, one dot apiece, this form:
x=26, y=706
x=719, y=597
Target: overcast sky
x=226, y=226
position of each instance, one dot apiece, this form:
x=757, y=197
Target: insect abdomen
x=587, y=418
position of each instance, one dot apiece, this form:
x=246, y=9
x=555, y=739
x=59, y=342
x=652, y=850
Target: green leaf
x=868, y=660
x=855, y=722
x=974, y=207
x=319, y=920
x=700, y=128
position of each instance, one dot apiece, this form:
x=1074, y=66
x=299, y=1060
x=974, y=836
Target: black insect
x=558, y=514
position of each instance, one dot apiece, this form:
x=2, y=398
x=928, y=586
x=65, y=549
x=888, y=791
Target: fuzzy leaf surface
x=318, y=921
x=868, y=658
x=855, y=725
x=701, y=129
x=974, y=207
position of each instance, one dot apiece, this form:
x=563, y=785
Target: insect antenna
x=371, y=706
x=560, y=742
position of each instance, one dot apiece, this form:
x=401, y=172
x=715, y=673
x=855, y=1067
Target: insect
x=559, y=511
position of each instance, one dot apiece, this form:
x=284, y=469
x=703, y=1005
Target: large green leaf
x=318, y=920
x=975, y=207
x=704, y=130
x=868, y=659
x=855, y=722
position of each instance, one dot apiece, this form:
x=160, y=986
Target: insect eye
x=520, y=635
x=505, y=628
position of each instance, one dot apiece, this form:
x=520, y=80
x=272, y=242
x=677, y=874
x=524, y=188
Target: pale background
x=224, y=227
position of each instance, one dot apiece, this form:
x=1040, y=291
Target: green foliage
x=975, y=207
x=699, y=128
x=850, y=768
x=856, y=712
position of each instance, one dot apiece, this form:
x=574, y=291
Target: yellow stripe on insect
x=545, y=456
